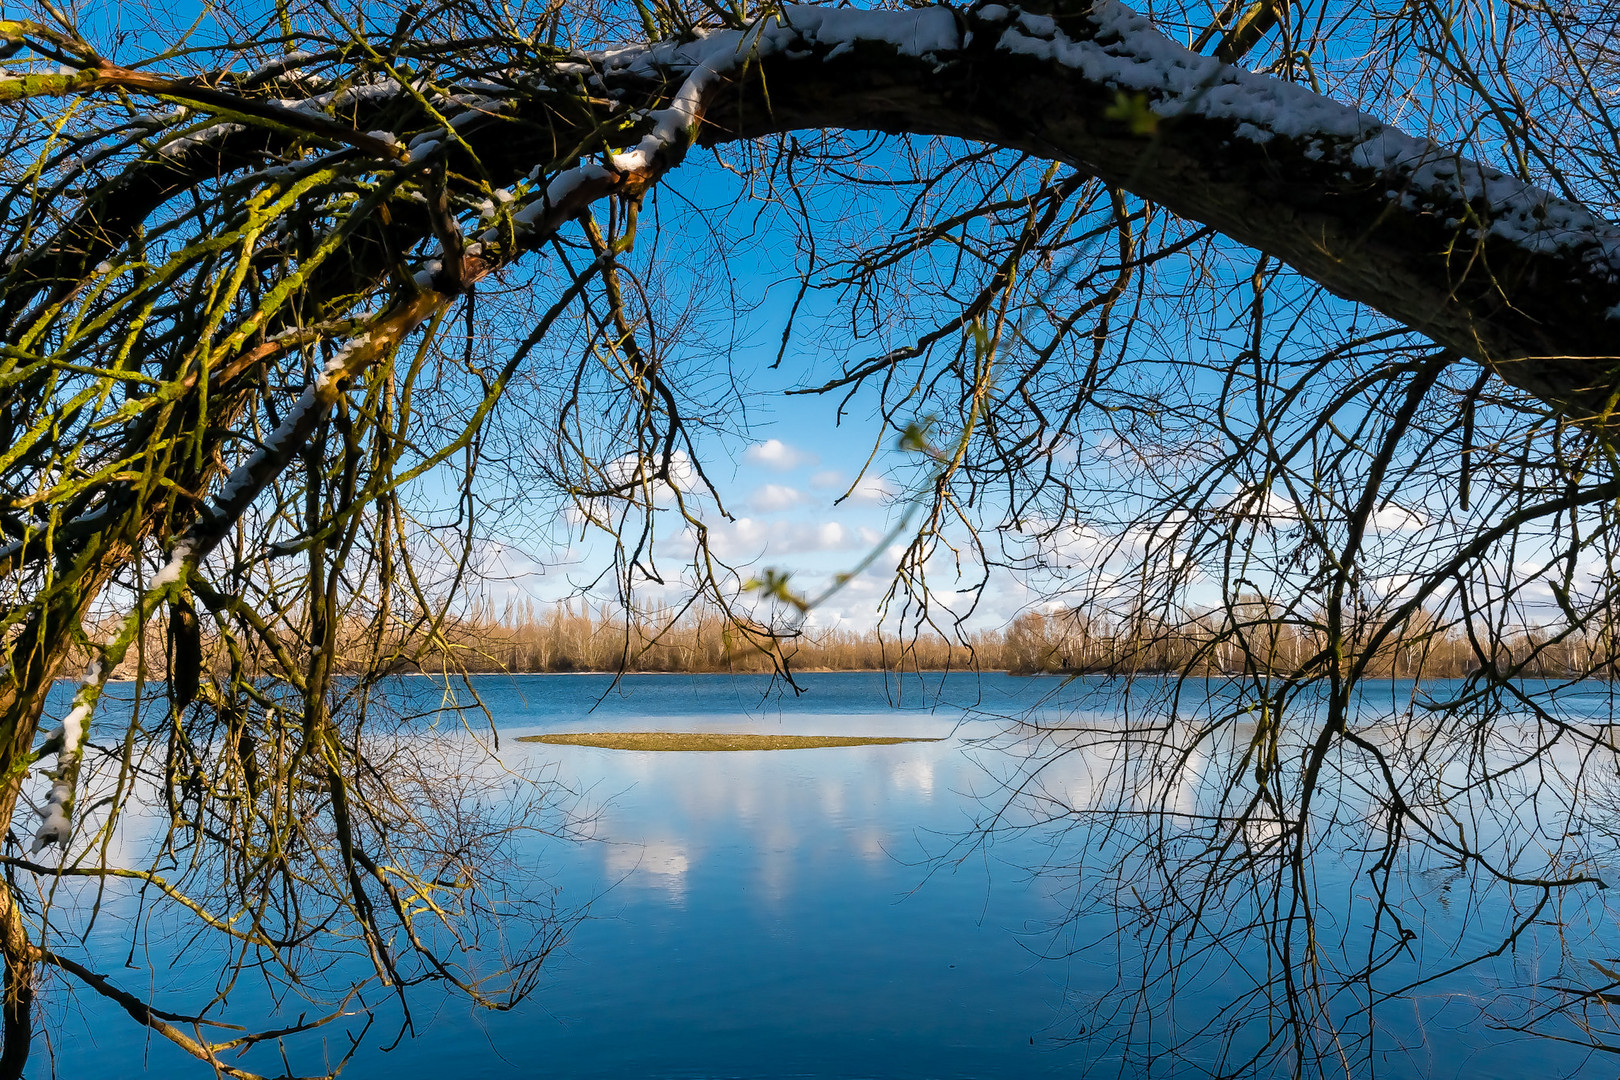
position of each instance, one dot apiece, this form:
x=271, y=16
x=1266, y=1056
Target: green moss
x=41, y=85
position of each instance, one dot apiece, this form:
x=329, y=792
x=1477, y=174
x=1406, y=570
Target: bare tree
x=1202, y=338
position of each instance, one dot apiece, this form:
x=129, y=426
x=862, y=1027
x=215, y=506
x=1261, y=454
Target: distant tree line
x=1252, y=638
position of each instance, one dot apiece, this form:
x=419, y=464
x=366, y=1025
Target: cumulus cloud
x=746, y=538
x=827, y=479
x=872, y=489
x=638, y=474
x=868, y=489
x=1073, y=544
x=659, y=865
x=769, y=498
x=1393, y=517
x=778, y=455
x=1263, y=505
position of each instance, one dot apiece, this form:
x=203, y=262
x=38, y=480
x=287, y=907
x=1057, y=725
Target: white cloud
x=915, y=773
x=658, y=857
x=638, y=474
x=746, y=538
x=872, y=489
x=868, y=489
x=778, y=455
x=1394, y=517
x=769, y=498
x=658, y=864
x=1073, y=544
x=827, y=479
x=1268, y=506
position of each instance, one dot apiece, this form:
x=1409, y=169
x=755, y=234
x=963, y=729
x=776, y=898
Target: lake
x=851, y=912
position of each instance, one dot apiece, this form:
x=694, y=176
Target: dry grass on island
x=711, y=740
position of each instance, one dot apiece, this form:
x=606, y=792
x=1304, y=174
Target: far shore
x=711, y=740
x=550, y=674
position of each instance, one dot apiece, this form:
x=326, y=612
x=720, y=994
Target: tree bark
x=1511, y=276
x=17, y=1005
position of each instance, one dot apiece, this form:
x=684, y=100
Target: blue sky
x=785, y=460
x=811, y=492
x=782, y=477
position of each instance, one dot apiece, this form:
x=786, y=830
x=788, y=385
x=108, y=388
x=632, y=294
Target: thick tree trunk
x=1499, y=271
x=17, y=1006
x=1522, y=281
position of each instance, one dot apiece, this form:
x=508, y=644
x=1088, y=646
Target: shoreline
x=712, y=741
x=733, y=674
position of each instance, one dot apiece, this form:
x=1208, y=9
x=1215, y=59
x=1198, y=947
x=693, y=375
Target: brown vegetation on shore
x=1246, y=639
x=573, y=637
x=710, y=741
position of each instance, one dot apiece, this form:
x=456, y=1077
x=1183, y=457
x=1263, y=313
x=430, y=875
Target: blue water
x=828, y=913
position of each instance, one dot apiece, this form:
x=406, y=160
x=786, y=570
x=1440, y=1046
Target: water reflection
x=657, y=864
x=844, y=912
x=778, y=913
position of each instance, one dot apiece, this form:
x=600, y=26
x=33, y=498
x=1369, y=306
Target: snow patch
x=174, y=568
x=176, y=147
x=918, y=32
x=292, y=59
x=56, y=826
x=337, y=366
x=242, y=479
x=1129, y=52
x=73, y=725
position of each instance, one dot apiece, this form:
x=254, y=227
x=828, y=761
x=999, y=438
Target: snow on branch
x=1123, y=50
x=1483, y=262
x=1116, y=48
x=1127, y=51
x=56, y=815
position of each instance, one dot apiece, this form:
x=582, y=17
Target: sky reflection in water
x=787, y=913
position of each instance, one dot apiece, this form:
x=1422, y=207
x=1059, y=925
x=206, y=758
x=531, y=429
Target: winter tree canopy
x=1259, y=323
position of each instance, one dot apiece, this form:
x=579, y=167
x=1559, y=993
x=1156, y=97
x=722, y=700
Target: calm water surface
x=788, y=913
